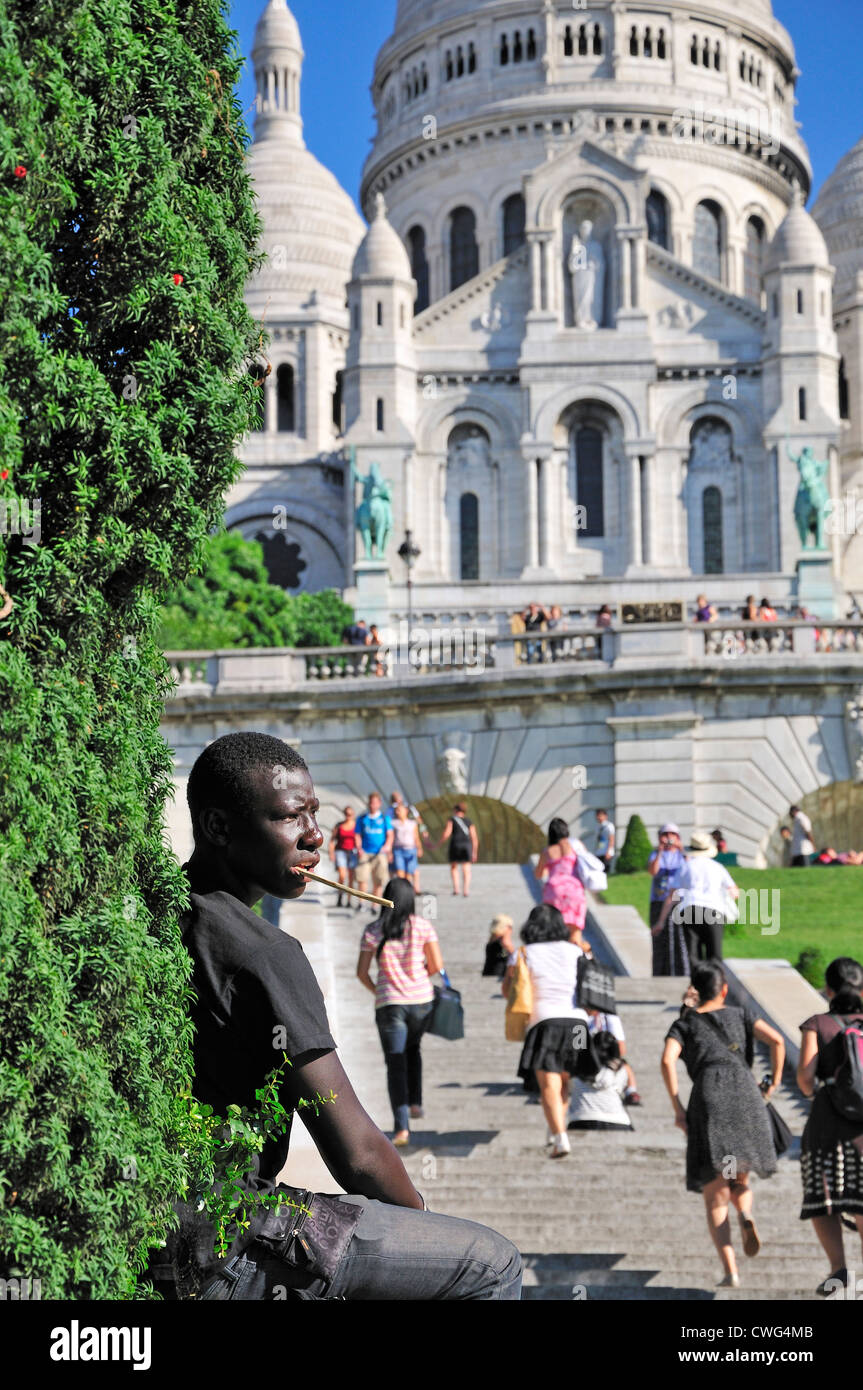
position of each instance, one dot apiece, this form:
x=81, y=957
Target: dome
x=798, y=241
x=421, y=14
x=839, y=214
x=311, y=227
x=277, y=28
x=382, y=252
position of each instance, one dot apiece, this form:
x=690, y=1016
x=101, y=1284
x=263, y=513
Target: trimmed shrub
x=127, y=233
x=636, y=848
x=233, y=604
x=812, y=964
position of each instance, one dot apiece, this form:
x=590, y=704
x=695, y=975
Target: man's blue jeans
x=396, y=1253
x=401, y=1027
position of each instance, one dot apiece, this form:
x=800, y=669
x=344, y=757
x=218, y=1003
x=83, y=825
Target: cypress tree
x=636, y=848
x=127, y=232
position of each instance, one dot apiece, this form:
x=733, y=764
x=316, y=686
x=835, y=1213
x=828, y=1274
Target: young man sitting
x=254, y=810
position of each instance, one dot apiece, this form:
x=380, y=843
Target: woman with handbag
x=727, y=1125
x=557, y=1042
x=563, y=889
x=407, y=952
x=831, y=1156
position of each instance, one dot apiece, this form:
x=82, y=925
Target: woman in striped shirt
x=407, y=953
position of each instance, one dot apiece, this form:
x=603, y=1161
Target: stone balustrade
x=472, y=651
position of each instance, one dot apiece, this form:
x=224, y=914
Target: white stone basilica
x=589, y=324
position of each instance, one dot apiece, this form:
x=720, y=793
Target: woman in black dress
x=463, y=846
x=727, y=1128
x=831, y=1157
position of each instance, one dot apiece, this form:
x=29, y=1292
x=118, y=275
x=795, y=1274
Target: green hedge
x=127, y=232
x=233, y=604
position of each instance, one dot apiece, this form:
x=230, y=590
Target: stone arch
x=551, y=413
x=675, y=423
x=506, y=835
x=325, y=566
x=548, y=210
x=476, y=407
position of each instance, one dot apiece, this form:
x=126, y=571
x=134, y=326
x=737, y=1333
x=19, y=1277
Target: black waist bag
x=311, y=1236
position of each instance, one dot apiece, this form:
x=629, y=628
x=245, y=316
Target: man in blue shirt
x=375, y=836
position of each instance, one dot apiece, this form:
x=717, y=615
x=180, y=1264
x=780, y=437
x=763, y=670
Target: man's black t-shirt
x=257, y=997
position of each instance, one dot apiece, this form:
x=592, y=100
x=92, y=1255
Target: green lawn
x=820, y=910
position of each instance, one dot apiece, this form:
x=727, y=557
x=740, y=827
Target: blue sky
x=342, y=37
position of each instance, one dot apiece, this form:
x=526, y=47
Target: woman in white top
x=599, y=1104
x=557, y=1039
x=701, y=896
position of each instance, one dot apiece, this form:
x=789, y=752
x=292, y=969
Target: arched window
x=504, y=51
x=582, y=40
x=657, y=218
x=463, y=250
x=356, y=318
x=379, y=415
x=379, y=316
x=711, y=512
x=419, y=267
x=285, y=396
x=588, y=480
x=513, y=223
x=693, y=49
x=459, y=66
x=800, y=301
x=338, y=422
x=801, y=403
x=648, y=43
x=567, y=42
x=471, y=58
x=844, y=411
x=633, y=41
x=531, y=45
x=448, y=67
x=660, y=44
x=597, y=39
x=257, y=372
x=707, y=243
x=753, y=259
x=469, y=535
x=717, y=57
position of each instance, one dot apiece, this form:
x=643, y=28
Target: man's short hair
x=794, y=810
x=601, y=811
x=221, y=775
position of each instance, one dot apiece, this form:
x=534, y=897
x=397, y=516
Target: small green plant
x=219, y=1153
x=812, y=964
x=636, y=848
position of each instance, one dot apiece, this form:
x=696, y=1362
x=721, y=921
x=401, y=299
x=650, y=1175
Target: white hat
x=701, y=843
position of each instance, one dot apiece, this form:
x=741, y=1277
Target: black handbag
x=447, y=1016
x=782, y=1135
x=595, y=986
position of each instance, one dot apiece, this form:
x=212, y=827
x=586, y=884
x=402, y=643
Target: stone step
x=613, y=1220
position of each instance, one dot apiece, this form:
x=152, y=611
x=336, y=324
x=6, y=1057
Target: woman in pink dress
x=563, y=889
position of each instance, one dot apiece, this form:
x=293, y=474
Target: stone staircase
x=613, y=1220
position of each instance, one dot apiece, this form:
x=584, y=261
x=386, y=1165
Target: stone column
x=634, y=479
x=624, y=256
x=546, y=511
x=535, y=274
x=648, y=511
x=545, y=283
x=531, y=510
x=271, y=400
x=639, y=268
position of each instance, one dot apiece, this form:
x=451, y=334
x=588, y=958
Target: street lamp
x=410, y=553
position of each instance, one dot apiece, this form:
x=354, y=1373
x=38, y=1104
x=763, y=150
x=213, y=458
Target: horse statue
x=374, y=515
x=810, y=503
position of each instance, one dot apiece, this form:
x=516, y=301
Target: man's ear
x=215, y=826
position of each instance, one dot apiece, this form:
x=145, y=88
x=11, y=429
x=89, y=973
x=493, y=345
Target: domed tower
x=292, y=494
x=839, y=214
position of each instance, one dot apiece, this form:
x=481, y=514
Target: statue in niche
x=711, y=446
x=810, y=504
x=586, y=265
x=471, y=450
x=374, y=515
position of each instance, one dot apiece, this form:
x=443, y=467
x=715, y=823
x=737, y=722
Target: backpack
x=845, y=1086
